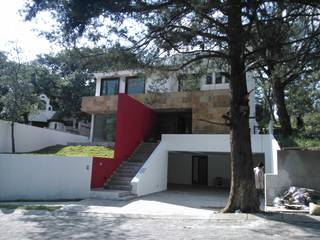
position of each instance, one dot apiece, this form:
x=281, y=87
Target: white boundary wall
x=152, y=177
x=40, y=177
x=29, y=138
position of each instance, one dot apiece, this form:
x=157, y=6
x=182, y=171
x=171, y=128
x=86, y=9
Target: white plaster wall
x=153, y=175
x=5, y=132
x=40, y=177
x=29, y=138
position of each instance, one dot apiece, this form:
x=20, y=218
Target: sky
x=15, y=32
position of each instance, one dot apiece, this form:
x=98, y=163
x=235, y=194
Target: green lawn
x=83, y=151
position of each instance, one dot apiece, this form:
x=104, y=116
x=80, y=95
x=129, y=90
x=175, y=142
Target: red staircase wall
x=134, y=122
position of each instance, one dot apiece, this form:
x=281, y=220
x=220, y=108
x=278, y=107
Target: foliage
x=17, y=99
x=286, y=59
x=299, y=141
x=88, y=151
x=68, y=76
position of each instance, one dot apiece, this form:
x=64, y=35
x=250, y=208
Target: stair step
x=127, y=163
x=127, y=170
x=127, y=175
x=119, y=187
x=110, y=194
x=120, y=178
x=119, y=182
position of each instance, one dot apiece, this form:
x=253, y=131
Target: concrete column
x=98, y=87
x=122, y=84
x=92, y=128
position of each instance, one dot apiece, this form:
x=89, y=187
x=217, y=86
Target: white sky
x=14, y=29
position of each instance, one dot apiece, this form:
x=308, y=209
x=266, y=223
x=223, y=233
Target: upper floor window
x=188, y=82
x=218, y=77
x=109, y=86
x=135, y=85
x=209, y=78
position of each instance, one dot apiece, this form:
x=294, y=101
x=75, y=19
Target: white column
x=92, y=127
x=122, y=84
x=98, y=87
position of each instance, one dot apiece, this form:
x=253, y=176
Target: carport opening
x=201, y=170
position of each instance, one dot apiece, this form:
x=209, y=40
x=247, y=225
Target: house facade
x=167, y=129
x=179, y=109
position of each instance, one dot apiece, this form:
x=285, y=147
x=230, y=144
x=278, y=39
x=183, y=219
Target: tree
x=285, y=51
x=18, y=98
x=196, y=30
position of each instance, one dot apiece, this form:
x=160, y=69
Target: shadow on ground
x=303, y=222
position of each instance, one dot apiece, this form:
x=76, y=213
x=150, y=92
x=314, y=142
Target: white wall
x=152, y=177
x=29, y=138
x=39, y=177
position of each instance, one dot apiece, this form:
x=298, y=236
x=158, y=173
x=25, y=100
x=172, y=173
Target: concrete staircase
x=121, y=178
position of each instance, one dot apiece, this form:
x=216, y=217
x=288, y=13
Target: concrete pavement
x=22, y=224
x=173, y=214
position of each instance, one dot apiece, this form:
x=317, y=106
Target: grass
x=83, y=151
x=30, y=207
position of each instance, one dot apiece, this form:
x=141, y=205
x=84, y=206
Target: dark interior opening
x=173, y=123
x=200, y=170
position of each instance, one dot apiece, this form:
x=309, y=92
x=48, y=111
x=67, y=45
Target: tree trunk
x=13, y=146
x=282, y=112
x=243, y=194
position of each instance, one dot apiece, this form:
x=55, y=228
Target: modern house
x=167, y=128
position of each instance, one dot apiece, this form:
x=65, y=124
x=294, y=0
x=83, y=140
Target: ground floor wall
x=29, y=138
x=295, y=168
x=153, y=176
x=31, y=177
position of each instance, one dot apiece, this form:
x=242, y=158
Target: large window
x=135, y=85
x=104, y=128
x=109, y=87
x=218, y=77
x=188, y=82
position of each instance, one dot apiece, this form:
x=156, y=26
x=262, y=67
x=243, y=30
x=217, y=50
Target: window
x=135, y=85
x=209, y=78
x=188, y=82
x=181, y=79
x=104, y=128
x=218, y=77
x=109, y=87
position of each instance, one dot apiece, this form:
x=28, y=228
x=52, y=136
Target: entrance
x=200, y=170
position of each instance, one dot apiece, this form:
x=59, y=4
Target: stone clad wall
x=99, y=104
x=207, y=105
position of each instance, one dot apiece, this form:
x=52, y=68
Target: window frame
x=127, y=79
x=109, y=79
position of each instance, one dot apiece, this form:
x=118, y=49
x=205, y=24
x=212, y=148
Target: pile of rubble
x=297, y=198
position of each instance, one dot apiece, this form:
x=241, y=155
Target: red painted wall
x=134, y=123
